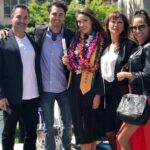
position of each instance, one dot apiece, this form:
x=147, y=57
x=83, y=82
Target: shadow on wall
x=1, y=125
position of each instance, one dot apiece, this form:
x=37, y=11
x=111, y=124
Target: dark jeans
x=47, y=104
x=21, y=131
x=28, y=111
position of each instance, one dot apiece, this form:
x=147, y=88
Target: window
x=41, y=1
x=8, y=5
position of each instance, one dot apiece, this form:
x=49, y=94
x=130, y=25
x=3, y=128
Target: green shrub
x=39, y=14
x=70, y=16
x=100, y=8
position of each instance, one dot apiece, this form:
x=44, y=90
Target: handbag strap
x=140, y=74
x=141, y=77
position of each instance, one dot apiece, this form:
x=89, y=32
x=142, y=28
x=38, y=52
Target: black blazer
x=140, y=65
x=127, y=47
x=39, y=33
x=11, y=69
x=125, y=50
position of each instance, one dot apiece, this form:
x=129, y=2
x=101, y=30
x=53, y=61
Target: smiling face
x=56, y=17
x=140, y=34
x=84, y=24
x=116, y=26
x=19, y=20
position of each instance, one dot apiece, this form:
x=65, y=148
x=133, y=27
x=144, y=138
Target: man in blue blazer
x=19, y=80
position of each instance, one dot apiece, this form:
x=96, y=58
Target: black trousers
x=28, y=111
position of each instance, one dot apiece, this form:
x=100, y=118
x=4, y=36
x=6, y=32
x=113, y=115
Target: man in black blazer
x=55, y=75
x=19, y=80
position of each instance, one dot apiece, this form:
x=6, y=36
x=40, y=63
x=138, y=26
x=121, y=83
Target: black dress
x=114, y=90
x=85, y=119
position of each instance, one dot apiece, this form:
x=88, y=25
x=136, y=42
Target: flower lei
x=81, y=51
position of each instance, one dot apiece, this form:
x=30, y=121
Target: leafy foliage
x=70, y=16
x=100, y=8
x=39, y=14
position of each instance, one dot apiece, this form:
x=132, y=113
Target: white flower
x=78, y=71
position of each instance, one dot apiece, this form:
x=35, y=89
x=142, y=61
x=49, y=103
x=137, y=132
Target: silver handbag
x=132, y=104
x=134, y=108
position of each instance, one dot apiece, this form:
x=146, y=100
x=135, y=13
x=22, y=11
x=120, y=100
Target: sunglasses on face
x=140, y=28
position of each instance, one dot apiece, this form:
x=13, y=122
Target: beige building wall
x=1, y=10
x=3, y=20
x=128, y=7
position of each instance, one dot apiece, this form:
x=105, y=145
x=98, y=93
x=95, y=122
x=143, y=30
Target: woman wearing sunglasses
x=140, y=64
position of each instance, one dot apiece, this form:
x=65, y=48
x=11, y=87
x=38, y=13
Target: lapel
x=65, y=33
x=41, y=35
x=121, y=57
x=15, y=46
x=32, y=42
x=68, y=35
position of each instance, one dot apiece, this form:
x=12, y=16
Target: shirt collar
x=59, y=34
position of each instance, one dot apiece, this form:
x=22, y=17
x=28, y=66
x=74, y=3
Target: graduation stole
x=87, y=77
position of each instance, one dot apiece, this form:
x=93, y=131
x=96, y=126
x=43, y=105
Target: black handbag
x=133, y=109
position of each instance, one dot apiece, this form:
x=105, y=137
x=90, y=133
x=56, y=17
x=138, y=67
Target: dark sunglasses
x=140, y=28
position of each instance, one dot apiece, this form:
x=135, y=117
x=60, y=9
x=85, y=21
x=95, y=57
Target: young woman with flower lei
x=83, y=61
x=82, y=49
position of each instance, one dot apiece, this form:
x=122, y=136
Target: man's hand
x=4, y=104
x=3, y=34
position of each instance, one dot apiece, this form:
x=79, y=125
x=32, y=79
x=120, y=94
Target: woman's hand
x=148, y=98
x=121, y=76
x=129, y=75
x=96, y=101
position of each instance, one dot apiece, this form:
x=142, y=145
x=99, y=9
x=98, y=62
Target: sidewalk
x=17, y=147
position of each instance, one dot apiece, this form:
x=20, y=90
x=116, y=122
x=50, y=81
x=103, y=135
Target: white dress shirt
x=108, y=62
x=30, y=87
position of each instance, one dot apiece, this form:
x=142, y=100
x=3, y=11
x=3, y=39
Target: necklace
x=81, y=51
x=113, y=47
